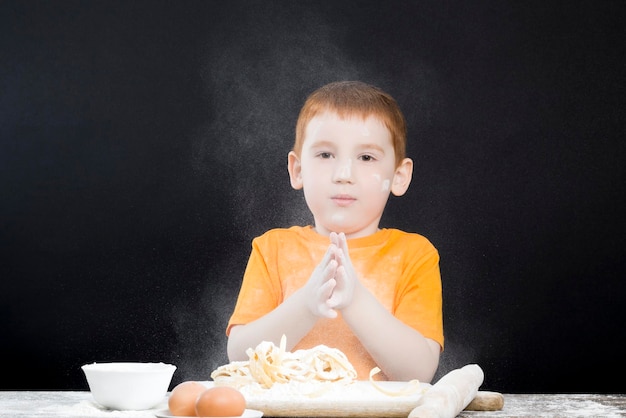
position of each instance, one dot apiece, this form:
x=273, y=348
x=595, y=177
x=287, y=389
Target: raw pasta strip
x=412, y=386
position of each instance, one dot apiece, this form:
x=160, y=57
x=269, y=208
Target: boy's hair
x=354, y=98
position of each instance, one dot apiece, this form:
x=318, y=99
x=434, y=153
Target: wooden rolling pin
x=486, y=401
x=453, y=393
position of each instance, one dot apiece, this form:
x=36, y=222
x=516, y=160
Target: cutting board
x=360, y=399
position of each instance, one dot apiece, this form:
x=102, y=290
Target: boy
x=373, y=293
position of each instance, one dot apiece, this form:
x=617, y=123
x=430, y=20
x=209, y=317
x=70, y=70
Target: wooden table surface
x=52, y=404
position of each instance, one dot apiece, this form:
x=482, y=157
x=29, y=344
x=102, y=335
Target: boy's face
x=347, y=169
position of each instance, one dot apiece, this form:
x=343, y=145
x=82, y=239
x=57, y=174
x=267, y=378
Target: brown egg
x=182, y=400
x=220, y=401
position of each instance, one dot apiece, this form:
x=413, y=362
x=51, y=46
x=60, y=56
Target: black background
x=143, y=145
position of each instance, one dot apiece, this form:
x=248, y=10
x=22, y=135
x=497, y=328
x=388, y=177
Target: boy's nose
x=343, y=171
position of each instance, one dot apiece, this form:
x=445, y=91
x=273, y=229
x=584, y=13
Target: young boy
x=373, y=293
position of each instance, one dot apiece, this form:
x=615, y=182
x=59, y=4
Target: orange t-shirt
x=400, y=269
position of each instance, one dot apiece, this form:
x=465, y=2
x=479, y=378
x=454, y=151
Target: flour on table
x=92, y=409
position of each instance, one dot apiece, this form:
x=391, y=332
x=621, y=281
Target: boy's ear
x=402, y=177
x=295, y=170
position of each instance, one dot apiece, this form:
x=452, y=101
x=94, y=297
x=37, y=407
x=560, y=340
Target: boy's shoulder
x=290, y=239
x=280, y=232
x=284, y=234
x=409, y=241
x=405, y=235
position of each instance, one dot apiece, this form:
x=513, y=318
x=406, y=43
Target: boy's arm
x=291, y=318
x=400, y=351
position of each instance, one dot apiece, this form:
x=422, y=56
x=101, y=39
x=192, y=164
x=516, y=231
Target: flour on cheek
x=384, y=184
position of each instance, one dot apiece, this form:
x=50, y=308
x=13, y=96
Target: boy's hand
x=319, y=288
x=345, y=277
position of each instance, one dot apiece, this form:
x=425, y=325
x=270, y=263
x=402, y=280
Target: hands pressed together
x=332, y=284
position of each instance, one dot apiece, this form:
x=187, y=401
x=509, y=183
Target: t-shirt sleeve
x=259, y=293
x=419, y=297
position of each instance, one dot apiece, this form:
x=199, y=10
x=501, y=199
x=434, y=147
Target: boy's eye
x=367, y=157
x=324, y=155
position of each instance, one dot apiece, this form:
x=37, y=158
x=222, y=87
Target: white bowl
x=128, y=385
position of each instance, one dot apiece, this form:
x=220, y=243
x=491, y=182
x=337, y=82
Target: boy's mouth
x=343, y=199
